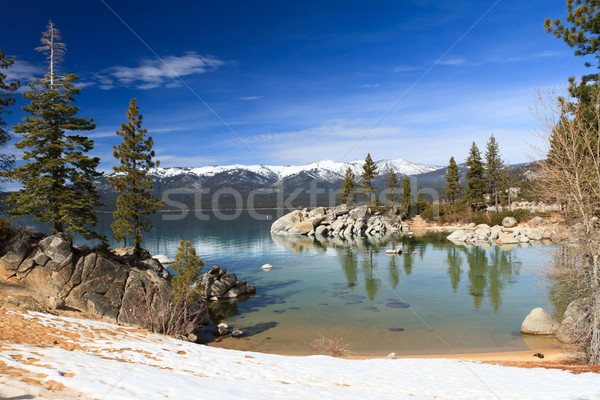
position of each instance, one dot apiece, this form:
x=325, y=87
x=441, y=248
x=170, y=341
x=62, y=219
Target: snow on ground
x=103, y=361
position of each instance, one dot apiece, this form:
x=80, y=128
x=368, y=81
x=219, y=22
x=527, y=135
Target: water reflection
x=489, y=271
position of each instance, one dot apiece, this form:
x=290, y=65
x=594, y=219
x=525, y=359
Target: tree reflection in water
x=490, y=271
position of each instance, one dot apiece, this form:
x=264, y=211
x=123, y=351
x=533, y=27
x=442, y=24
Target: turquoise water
x=434, y=298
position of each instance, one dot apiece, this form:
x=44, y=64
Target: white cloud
x=150, y=74
x=249, y=98
x=23, y=71
x=370, y=85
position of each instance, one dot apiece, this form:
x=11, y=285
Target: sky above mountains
x=268, y=82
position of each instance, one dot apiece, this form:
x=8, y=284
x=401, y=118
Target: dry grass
x=331, y=345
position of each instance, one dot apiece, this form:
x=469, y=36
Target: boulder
x=458, y=236
x=302, y=228
x=319, y=211
x=360, y=212
x=506, y=239
x=321, y=230
x=221, y=330
x=575, y=312
x=341, y=210
x=539, y=322
x=509, y=222
x=236, y=333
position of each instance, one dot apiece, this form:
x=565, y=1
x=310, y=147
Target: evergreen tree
x=7, y=99
x=368, y=174
x=187, y=267
x=406, y=195
x=135, y=202
x=421, y=202
x=452, y=176
x=493, y=166
x=583, y=34
x=348, y=190
x=392, y=186
x=475, y=180
x=57, y=178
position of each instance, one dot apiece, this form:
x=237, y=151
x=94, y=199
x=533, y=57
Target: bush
x=332, y=346
x=157, y=312
x=16, y=238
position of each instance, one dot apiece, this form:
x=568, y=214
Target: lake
x=435, y=298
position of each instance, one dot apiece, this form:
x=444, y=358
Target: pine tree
x=135, y=202
x=7, y=99
x=392, y=186
x=57, y=178
x=406, y=195
x=452, y=176
x=421, y=202
x=368, y=175
x=348, y=190
x=493, y=166
x=475, y=180
x=187, y=267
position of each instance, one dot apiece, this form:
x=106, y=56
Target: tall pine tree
x=493, y=169
x=132, y=181
x=406, y=195
x=57, y=178
x=392, y=187
x=475, y=180
x=7, y=99
x=452, y=176
x=368, y=175
x=348, y=190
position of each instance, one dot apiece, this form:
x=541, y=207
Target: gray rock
x=236, y=333
x=539, y=322
x=360, y=212
x=341, y=210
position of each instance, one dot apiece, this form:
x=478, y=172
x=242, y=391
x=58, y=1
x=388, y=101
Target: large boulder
x=539, y=322
x=362, y=212
x=302, y=228
x=575, y=313
x=114, y=288
x=509, y=222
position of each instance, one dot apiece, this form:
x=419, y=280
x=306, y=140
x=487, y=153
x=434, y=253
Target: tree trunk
x=496, y=199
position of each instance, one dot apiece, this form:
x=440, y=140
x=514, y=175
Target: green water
x=434, y=298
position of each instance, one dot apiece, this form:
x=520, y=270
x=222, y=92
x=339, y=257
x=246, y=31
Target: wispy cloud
x=150, y=74
x=370, y=85
x=250, y=98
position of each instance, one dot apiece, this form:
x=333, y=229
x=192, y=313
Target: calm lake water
x=434, y=298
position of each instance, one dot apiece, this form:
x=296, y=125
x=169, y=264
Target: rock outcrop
x=114, y=288
x=339, y=221
x=218, y=284
x=508, y=234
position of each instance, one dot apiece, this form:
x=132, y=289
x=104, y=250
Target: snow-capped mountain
x=327, y=170
x=266, y=185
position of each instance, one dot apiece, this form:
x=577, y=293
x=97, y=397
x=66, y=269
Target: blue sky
x=277, y=82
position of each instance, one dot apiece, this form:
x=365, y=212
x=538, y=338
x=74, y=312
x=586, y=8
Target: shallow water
x=434, y=298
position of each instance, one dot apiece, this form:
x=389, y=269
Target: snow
x=325, y=169
x=127, y=364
